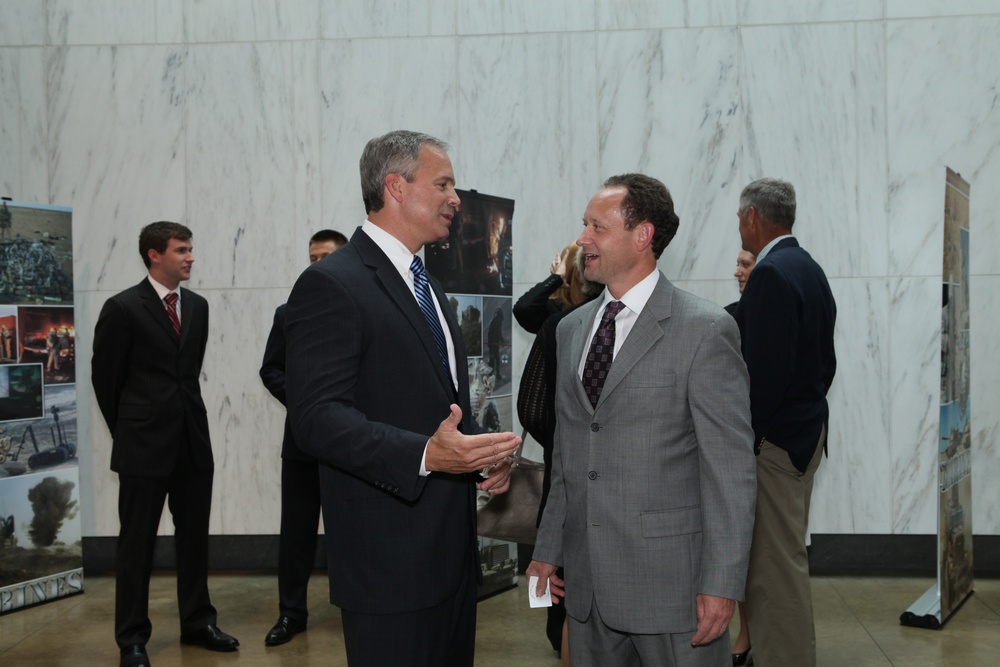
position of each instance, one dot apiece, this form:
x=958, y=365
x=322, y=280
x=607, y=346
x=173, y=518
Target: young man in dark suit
x=786, y=318
x=300, y=502
x=149, y=344
x=378, y=391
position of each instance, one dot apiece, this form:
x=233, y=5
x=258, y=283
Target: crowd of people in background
x=680, y=440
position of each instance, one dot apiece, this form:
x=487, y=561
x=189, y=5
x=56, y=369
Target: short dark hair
x=773, y=199
x=324, y=235
x=647, y=200
x=397, y=152
x=156, y=236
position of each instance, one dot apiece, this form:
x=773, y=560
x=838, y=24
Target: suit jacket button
x=594, y=427
x=592, y=475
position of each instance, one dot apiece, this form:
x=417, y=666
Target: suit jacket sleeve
x=109, y=367
x=718, y=397
x=535, y=306
x=272, y=369
x=770, y=332
x=327, y=331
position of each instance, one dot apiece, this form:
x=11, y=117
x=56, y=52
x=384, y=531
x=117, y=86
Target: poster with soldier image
x=474, y=265
x=40, y=544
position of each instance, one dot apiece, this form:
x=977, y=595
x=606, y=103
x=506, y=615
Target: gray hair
x=397, y=152
x=773, y=199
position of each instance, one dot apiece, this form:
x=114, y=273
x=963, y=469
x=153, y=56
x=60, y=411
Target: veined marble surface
x=245, y=120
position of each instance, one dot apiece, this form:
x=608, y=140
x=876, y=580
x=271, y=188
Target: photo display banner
x=40, y=536
x=955, y=443
x=954, y=450
x=475, y=267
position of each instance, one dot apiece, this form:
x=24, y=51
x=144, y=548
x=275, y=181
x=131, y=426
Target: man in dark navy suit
x=149, y=344
x=300, y=504
x=378, y=391
x=786, y=317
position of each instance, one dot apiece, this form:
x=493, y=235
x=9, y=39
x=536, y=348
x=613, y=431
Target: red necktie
x=171, y=300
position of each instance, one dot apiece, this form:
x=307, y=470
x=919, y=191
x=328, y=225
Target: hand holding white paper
x=538, y=601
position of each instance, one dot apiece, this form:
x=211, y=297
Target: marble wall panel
x=250, y=20
x=809, y=11
x=984, y=294
x=92, y=22
x=914, y=357
x=115, y=152
x=256, y=145
x=652, y=14
x=387, y=18
x=895, y=9
x=670, y=107
x=853, y=491
x=808, y=132
x=23, y=171
x=942, y=107
x=246, y=422
x=525, y=136
x=23, y=23
x=483, y=17
x=251, y=145
x=872, y=153
x=420, y=93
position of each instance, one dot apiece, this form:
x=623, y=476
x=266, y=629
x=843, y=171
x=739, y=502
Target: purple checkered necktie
x=601, y=353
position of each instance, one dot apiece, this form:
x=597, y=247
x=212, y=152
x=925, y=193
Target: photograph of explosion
x=39, y=533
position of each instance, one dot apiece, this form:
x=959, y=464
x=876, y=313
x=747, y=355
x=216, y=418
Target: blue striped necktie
x=426, y=301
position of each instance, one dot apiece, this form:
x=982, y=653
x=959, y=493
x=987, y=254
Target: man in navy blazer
x=377, y=388
x=149, y=344
x=300, y=503
x=786, y=318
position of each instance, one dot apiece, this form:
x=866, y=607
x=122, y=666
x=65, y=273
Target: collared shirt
x=162, y=292
x=401, y=258
x=766, y=249
x=635, y=300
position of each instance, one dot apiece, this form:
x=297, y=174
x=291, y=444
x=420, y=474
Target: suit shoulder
x=692, y=305
x=196, y=298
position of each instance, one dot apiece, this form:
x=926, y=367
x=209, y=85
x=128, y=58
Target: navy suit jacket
x=366, y=389
x=146, y=381
x=272, y=373
x=786, y=317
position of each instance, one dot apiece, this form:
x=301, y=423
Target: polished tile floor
x=856, y=626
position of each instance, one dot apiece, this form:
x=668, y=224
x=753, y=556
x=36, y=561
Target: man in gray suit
x=653, y=483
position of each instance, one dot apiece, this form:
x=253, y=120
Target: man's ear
x=394, y=186
x=645, y=235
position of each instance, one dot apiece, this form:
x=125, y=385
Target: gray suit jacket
x=653, y=492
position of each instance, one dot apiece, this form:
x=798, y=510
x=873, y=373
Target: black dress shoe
x=212, y=638
x=743, y=659
x=283, y=631
x=134, y=656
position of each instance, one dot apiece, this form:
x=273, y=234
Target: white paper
x=535, y=600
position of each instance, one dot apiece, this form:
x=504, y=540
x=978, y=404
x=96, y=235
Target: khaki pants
x=779, y=599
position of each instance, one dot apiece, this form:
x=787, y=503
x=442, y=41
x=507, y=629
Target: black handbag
x=511, y=516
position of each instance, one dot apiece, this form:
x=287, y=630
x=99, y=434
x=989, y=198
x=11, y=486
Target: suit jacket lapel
x=187, y=312
x=579, y=344
x=401, y=295
x=645, y=332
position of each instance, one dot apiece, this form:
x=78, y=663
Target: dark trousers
x=441, y=636
x=300, y=509
x=188, y=493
